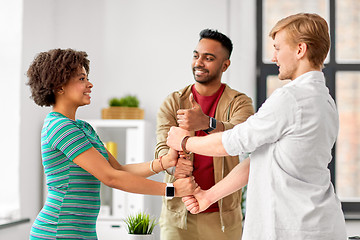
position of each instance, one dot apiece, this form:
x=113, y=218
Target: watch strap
x=212, y=125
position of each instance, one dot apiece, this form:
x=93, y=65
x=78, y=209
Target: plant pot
x=140, y=236
x=122, y=113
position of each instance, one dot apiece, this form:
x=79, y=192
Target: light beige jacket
x=233, y=108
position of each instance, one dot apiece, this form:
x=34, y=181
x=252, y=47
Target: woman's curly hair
x=51, y=70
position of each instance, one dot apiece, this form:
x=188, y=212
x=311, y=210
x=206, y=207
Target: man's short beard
x=206, y=81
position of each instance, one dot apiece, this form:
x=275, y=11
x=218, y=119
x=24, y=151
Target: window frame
x=351, y=209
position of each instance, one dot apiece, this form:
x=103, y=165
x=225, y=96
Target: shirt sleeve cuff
x=229, y=145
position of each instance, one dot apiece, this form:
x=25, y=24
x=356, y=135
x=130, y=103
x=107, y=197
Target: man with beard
x=203, y=108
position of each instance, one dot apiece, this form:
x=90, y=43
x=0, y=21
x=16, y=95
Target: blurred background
x=144, y=48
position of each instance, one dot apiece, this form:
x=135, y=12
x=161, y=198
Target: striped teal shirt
x=73, y=200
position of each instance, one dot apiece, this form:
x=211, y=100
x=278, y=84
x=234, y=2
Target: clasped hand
x=184, y=166
x=189, y=120
x=197, y=202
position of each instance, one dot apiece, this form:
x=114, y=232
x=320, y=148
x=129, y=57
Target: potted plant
x=140, y=226
x=126, y=107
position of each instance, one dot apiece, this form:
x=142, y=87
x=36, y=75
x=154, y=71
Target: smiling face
x=76, y=92
x=209, y=61
x=285, y=56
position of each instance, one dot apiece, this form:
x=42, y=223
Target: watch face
x=212, y=123
x=170, y=191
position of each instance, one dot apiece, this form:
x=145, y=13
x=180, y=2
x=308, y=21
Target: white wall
x=38, y=35
x=10, y=65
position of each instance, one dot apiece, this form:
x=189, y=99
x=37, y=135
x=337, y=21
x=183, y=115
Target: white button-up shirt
x=290, y=195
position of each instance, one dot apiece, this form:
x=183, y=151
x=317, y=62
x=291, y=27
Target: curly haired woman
x=74, y=158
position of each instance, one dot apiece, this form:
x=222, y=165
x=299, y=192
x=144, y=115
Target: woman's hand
x=198, y=202
x=185, y=186
x=170, y=159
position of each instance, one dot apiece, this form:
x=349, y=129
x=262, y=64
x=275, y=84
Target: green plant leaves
x=140, y=223
x=127, y=101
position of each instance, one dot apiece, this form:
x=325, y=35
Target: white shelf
x=129, y=135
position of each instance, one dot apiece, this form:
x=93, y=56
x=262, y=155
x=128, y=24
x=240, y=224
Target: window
x=342, y=72
x=10, y=64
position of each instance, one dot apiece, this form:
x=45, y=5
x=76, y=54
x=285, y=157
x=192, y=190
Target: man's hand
x=193, y=119
x=184, y=166
x=198, y=202
x=175, y=136
x=185, y=186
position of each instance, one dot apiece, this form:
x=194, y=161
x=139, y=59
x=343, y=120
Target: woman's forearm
x=136, y=184
x=94, y=163
x=145, y=169
x=129, y=182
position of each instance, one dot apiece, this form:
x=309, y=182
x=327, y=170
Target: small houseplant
x=127, y=101
x=126, y=107
x=140, y=225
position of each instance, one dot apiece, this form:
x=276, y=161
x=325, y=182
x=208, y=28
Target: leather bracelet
x=151, y=167
x=183, y=144
x=161, y=163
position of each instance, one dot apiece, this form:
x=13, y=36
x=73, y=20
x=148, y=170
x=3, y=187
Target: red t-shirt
x=203, y=165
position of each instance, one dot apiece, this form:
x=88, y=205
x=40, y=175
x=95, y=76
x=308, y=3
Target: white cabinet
x=129, y=136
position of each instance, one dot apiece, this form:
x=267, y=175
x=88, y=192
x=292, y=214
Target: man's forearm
x=210, y=145
x=235, y=180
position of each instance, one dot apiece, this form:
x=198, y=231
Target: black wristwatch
x=212, y=125
x=169, y=190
